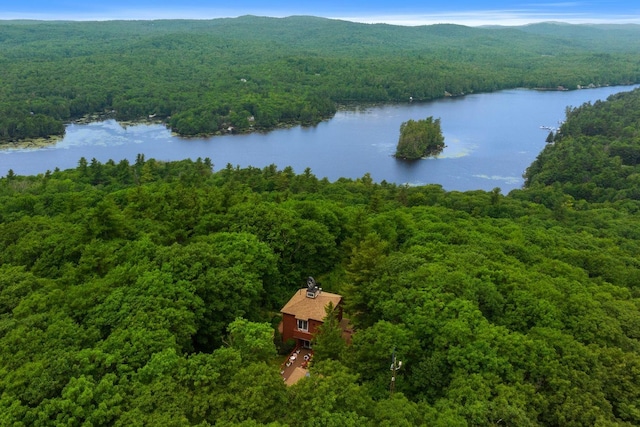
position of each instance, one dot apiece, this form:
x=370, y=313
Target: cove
x=491, y=139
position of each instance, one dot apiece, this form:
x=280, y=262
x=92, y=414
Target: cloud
x=125, y=14
x=557, y=4
x=495, y=17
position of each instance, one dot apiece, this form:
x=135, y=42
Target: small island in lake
x=421, y=138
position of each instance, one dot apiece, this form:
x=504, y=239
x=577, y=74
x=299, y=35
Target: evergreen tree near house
x=328, y=342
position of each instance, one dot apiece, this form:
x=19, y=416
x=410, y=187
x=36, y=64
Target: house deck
x=295, y=367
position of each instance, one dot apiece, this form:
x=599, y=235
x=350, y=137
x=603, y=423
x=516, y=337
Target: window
x=303, y=325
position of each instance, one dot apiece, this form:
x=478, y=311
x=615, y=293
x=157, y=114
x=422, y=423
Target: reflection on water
x=490, y=140
x=110, y=133
x=507, y=179
x=455, y=148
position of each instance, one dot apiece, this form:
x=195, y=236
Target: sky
x=397, y=12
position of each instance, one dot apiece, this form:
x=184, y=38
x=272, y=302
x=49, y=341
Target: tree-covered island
x=420, y=138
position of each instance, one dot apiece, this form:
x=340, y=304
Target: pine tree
x=328, y=342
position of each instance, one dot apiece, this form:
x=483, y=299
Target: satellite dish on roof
x=311, y=283
x=312, y=288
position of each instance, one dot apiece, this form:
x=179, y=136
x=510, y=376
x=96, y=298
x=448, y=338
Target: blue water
x=491, y=139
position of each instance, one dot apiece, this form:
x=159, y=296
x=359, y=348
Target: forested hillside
x=146, y=293
x=222, y=75
x=596, y=154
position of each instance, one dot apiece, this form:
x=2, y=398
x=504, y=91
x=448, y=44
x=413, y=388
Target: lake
x=491, y=139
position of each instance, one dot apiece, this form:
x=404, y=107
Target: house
x=305, y=311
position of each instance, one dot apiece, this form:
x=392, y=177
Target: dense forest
x=147, y=293
x=235, y=75
x=420, y=138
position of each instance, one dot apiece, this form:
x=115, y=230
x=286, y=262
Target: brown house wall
x=313, y=326
x=290, y=327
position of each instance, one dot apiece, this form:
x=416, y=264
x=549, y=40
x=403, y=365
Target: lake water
x=491, y=139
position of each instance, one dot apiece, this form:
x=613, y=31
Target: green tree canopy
x=328, y=342
x=420, y=138
x=148, y=293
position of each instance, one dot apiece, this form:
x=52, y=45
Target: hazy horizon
x=402, y=12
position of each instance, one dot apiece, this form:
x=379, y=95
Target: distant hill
x=596, y=37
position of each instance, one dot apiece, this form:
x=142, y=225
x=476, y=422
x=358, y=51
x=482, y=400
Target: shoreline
x=44, y=142
x=34, y=143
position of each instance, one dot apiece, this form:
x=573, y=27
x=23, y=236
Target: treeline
x=147, y=293
x=225, y=75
